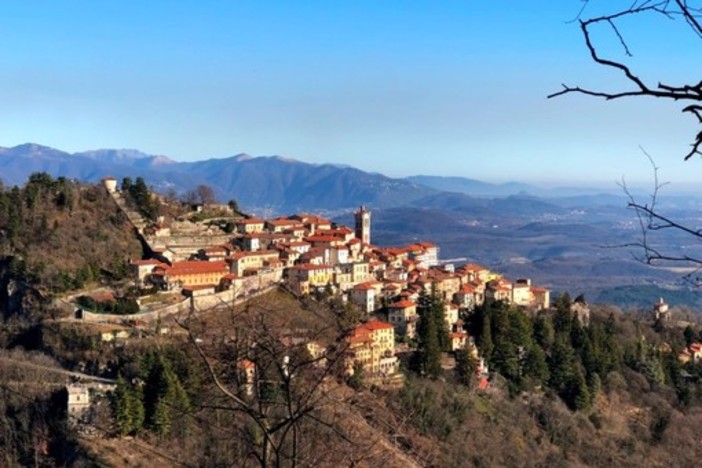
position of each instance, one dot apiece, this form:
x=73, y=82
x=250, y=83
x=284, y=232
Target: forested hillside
x=59, y=234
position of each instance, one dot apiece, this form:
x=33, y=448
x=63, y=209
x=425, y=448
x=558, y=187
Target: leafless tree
x=290, y=406
x=688, y=14
x=205, y=194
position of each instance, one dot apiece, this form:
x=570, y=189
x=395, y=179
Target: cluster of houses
x=312, y=254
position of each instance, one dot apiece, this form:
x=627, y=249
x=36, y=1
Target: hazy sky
x=398, y=87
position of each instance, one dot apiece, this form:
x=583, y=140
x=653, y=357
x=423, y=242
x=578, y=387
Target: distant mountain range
x=273, y=184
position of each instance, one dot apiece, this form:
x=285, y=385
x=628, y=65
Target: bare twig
x=667, y=8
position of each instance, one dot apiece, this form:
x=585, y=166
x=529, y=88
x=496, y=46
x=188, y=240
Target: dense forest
x=566, y=388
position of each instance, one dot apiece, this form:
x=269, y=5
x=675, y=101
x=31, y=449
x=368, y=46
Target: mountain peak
x=32, y=147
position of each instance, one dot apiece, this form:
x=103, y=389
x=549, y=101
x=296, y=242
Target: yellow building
x=242, y=261
x=372, y=345
x=307, y=276
x=191, y=273
x=247, y=226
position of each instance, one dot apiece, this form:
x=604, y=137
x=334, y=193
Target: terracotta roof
x=250, y=221
x=194, y=268
x=283, y=222
x=365, y=286
x=322, y=239
x=105, y=296
x=297, y=244
x=246, y=364
x=402, y=305
x=376, y=325
x=258, y=253
x=341, y=231
x=483, y=384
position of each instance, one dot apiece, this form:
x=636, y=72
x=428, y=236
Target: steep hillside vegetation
x=57, y=235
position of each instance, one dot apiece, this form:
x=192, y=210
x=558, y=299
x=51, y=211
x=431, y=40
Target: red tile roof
x=374, y=325
x=322, y=239
x=246, y=364
x=258, y=253
x=365, y=286
x=194, y=268
x=402, y=305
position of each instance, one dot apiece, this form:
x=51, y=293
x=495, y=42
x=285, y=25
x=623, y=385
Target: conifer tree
x=563, y=319
x=579, y=392
x=543, y=332
x=561, y=365
x=127, y=407
x=485, y=342
x=535, y=367
x=164, y=395
x=432, y=334
x=466, y=366
x=429, y=348
x=121, y=407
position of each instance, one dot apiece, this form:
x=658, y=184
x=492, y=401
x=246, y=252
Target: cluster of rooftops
x=310, y=253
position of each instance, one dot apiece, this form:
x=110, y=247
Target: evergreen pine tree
x=485, y=341
x=121, y=408
x=430, y=352
x=580, y=393
x=561, y=365
x=543, y=332
x=535, y=366
x=136, y=409
x=563, y=318
x=432, y=335
x=466, y=365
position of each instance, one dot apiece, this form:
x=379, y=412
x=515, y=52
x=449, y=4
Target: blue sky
x=398, y=87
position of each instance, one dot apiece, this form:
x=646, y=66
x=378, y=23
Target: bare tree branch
x=667, y=8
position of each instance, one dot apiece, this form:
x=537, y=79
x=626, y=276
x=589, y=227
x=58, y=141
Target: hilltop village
x=200, y=267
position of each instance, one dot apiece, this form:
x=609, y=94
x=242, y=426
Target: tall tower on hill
x=363, y=224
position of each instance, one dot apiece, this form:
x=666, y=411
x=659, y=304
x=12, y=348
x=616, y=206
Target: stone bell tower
x=363, y=225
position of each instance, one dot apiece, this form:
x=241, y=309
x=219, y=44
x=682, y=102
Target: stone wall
x=242, y=290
